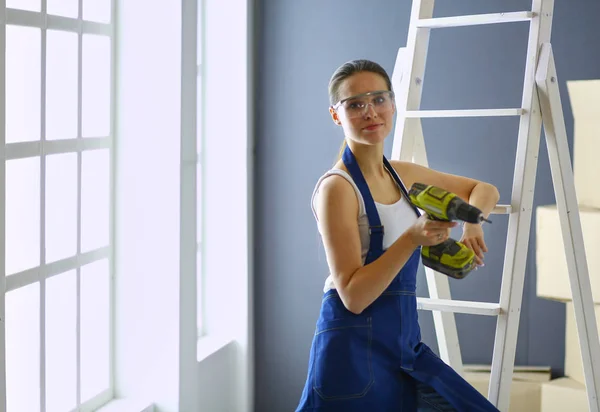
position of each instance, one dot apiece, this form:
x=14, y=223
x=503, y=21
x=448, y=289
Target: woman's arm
x=358, y=285
x=485, y=197
x=480, y=194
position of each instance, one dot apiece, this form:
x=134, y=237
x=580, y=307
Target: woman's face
x=365, y=118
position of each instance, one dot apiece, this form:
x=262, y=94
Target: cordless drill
x=450, y=257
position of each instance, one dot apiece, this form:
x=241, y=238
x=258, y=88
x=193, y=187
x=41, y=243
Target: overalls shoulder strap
x=376, y=229
x=400, y=184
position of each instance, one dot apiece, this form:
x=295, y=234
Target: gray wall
x=300, y=43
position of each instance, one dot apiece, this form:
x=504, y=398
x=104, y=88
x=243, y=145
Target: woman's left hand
x=473, y=238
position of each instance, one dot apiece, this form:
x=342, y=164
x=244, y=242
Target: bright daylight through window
x=56, y=139
x=200, y=279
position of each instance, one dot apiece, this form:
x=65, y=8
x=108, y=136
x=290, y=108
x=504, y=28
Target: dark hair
x=348, y=69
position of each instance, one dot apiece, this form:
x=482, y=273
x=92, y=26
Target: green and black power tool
x=450, y=257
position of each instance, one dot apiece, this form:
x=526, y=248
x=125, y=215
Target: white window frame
x=192, y=135
x=226, y=287
x=171, y=276
x=40, y=149
x=227, y=160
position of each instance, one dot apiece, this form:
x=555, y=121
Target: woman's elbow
x=353, y=306
x=494, y=193
x=350, y=302
x=491, y=191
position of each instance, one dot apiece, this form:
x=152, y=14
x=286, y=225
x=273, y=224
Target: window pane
x=95, y=199
x=61, y=85
x=96, y=86
x=199, y=203
x=97, y=10
x=61, y=342
x=31, y=5
x=199, y=276
x=22, y=214
x=199, y=197
x=23, y=349
x=61, y=206
x=200, y=292
x=23, y=83
x=66, y=8
x=95, y=315
x=199, y=153
x=199, y=34
x=199, y=117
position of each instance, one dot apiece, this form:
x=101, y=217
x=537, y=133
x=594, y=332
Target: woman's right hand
x=427, y=232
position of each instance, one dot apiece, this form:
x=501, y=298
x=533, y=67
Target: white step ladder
x=541, y=104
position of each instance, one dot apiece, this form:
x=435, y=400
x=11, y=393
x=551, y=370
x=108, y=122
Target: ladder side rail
x=3, y=385
x=408, y=95
x=519, y=226
x=438, y=286
x=568, y=208
x=408, y=75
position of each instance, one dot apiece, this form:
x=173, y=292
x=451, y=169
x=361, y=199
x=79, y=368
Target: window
x=192, y=245
x=199, y=175
x=56, y=255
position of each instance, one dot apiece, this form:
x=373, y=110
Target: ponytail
x=341, y=152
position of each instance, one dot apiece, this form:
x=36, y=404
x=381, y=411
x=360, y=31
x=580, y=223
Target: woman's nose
x=370, y=111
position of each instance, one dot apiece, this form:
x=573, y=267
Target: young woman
x=367, y=353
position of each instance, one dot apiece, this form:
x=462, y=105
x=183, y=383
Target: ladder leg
x=519, y=225
x=444, y=322
x=409, y=145
x=439, y=288
x=566, y=199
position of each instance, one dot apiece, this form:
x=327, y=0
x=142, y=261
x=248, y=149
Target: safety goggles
x=382, y=101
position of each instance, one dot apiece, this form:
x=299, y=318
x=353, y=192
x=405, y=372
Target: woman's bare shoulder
x=335, y=193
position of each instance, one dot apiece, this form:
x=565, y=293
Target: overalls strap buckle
x=376, y=230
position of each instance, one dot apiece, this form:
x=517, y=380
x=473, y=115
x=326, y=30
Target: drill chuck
x=460, y=210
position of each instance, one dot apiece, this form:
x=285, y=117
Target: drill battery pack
x=451, y=258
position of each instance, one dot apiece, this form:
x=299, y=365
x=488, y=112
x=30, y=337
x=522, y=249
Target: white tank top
x=396, y=218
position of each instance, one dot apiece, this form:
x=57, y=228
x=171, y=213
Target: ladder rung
x=459, y=306
x=464, y=113
x=502, y=210
x=474, y=20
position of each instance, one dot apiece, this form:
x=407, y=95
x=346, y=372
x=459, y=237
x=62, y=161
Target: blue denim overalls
x=375, y=361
